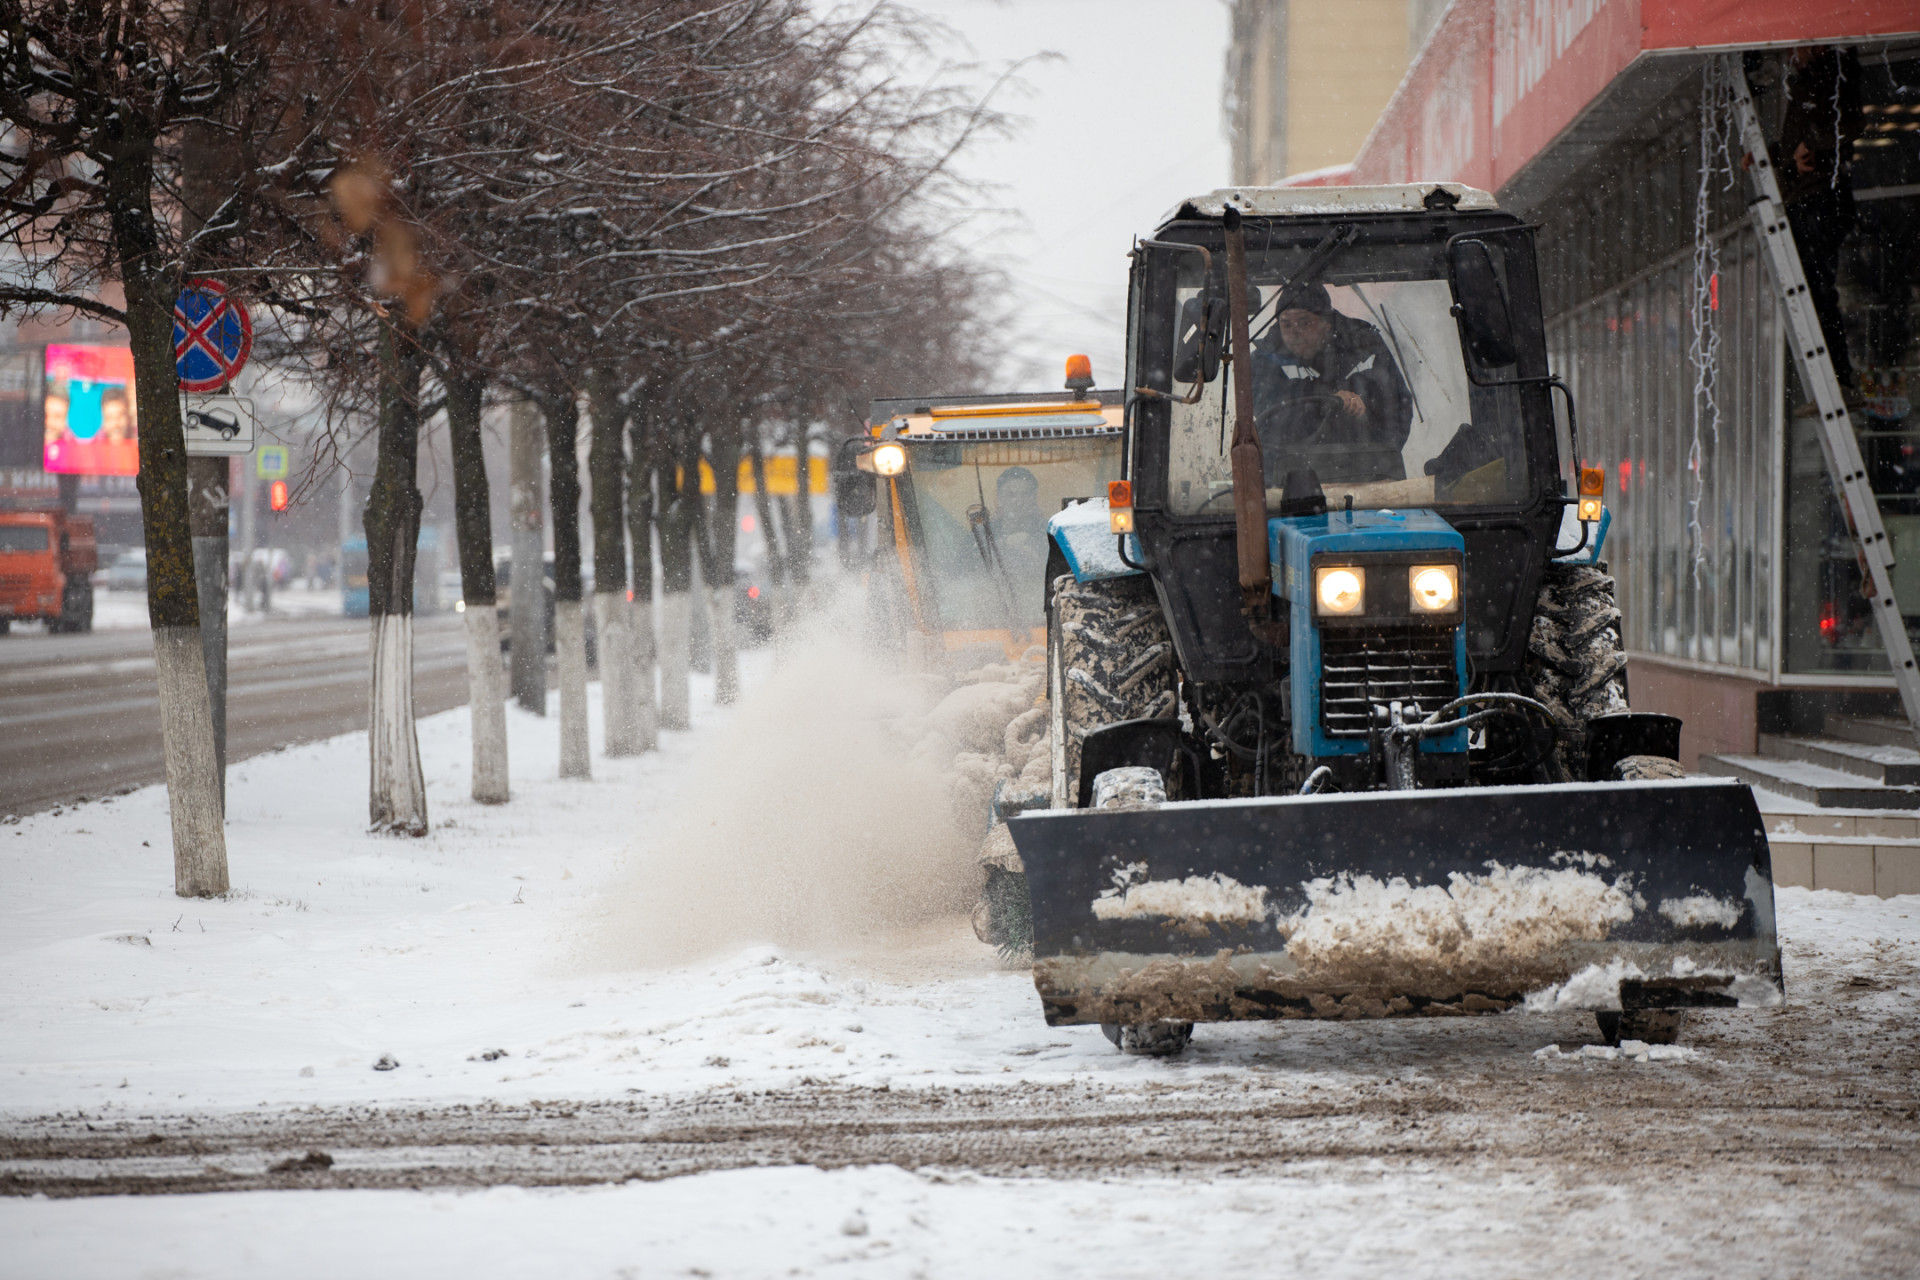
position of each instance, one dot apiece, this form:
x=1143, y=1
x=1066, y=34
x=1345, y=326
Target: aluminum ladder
x=1837, y=441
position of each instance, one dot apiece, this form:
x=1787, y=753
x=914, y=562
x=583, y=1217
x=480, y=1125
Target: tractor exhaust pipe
x=1249, y=469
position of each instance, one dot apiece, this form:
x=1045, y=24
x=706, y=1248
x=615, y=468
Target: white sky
x=1121, y=127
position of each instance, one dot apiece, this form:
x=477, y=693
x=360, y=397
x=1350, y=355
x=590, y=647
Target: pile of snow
x=1628, y=1050
x=1217, y=898
x=1475, y=919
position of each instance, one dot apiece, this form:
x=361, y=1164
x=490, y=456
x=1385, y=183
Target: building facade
x=1306, y=78
x=1608, y=123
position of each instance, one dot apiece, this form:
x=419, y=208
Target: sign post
x=212, y=337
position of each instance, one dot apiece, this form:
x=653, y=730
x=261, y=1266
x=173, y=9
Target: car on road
x=128, y=572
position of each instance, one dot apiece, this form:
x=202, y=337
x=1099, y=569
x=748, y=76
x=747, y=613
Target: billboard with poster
x=91, y=421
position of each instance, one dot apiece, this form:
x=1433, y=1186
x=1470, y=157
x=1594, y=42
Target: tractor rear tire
x=1575, y=663
x=1109, y=658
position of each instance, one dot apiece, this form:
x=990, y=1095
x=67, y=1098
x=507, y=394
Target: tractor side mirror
x=853, y=489
x=1202, y=332
x=1480, y=305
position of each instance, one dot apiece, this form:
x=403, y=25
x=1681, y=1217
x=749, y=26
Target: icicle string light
x=1703, y=350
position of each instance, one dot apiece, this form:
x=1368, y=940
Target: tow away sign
x=217, y=426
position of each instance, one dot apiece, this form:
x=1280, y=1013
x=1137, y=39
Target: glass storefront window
x=1829, y=624
x=1692, y=540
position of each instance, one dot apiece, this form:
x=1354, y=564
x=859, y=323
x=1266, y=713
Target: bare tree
x=98, y=101
x=472, y=510
x=397, y=794
x=607, y=472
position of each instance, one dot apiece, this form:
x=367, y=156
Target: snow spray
x=819, y=817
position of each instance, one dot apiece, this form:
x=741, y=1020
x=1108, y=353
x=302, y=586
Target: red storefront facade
x=1595, y=119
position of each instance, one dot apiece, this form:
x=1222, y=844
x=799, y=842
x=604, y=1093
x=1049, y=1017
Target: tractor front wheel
x=1575, y=663
x=1109, y=658
x=1149, y=1039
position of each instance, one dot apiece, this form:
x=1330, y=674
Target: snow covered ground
x=547, y=950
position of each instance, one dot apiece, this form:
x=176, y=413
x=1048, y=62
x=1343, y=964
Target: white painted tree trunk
x=645, y=678
x=676, y=655
x=486, y=705
x=726, y=654
x=570, y=650
x=616, y=674
x=397, y=790
x=186, y=734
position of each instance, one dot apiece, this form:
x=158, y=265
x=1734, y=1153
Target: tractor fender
x=1587, y=542
x=1089, y=545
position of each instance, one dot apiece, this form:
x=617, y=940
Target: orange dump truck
x=46, y=557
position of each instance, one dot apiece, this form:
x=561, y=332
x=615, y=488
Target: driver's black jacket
x=1300, y=424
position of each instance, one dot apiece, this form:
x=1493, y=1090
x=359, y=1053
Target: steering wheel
x=1327, y=405
x=1327, y=400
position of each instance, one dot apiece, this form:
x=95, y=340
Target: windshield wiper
x=981, y=525
x=1330, y=244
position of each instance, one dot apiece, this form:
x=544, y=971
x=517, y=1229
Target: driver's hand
x=1355, y=407
x=1802, y=159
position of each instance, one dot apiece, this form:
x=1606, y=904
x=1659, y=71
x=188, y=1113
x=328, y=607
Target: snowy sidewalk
x=1411, y=1147
x=337, y=949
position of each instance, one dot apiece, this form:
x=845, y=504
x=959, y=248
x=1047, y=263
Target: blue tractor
x=1338, y=702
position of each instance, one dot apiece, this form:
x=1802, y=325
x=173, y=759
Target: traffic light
x=277, y=495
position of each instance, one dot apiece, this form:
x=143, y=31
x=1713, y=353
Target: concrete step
x=1889, y=765
x=1812, y=783
x=1853, y=850
x=1871, y=731
x=1794, y=820
x=1886, y=868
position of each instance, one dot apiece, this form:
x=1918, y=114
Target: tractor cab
x=1362, y=400
x=966, y=485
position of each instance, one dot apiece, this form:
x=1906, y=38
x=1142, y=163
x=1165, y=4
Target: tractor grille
x=15, y=581
x=1406, y=665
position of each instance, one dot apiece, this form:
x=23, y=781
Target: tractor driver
x=1327, y=394
x=1020, y=529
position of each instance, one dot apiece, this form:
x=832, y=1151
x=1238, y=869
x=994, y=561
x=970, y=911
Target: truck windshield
x=1357, y=375
x=979, y=513
x=23, y=537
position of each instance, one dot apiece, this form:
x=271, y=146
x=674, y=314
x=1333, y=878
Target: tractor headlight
x=889, y=459
x=1433, y=588
x=1340, y=589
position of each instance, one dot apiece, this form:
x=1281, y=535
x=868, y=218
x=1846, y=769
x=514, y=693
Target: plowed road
x=80, y=715
x=1789, y=1150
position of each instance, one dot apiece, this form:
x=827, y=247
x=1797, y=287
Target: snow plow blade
x=1605, y=895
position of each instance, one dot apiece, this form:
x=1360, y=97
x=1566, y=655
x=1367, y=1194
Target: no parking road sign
x=212, y=336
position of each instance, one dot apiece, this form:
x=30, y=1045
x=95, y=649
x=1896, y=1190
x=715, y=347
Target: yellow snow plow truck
x=1339, y=709
x=965, y=486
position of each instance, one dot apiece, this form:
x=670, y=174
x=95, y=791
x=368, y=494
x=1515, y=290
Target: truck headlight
x=1433, y=588
x=889, y=459
x=1340, y=589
